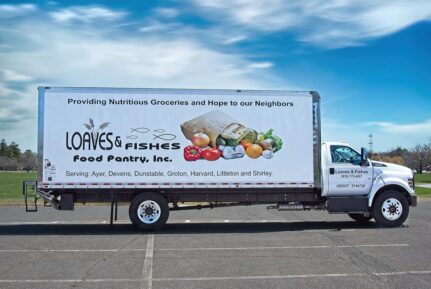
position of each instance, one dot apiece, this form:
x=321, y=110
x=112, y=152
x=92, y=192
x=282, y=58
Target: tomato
x=245, y=144
x=211, y=154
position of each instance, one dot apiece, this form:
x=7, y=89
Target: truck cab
x=365, y=188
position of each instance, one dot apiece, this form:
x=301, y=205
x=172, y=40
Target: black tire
x=380, y=214
x=360, y=217
x=156, y=205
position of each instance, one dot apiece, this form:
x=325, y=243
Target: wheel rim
x=392, y=209
x=149, y=212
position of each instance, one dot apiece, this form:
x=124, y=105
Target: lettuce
x=277, y=140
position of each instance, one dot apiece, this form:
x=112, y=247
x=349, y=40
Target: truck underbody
x=281, y=199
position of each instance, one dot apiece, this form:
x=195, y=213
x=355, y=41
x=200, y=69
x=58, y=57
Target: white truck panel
x=115, y=127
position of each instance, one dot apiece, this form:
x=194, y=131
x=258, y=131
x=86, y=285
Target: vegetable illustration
x=278, y=142
x=250, y=137
x=232, y=152
x=245, y=145
x=192, y=153
x=221, y=141
x=211, y=154
x=254, y=151
x=216, y=134
x=268, y=154
x=200, y=139
x=267, y=144
x=232, y=142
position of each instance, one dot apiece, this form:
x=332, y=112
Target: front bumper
x=413, y=201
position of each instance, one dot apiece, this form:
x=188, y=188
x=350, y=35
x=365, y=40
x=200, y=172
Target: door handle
x=331, y=171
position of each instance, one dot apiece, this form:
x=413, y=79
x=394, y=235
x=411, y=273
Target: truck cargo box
x=96, y=138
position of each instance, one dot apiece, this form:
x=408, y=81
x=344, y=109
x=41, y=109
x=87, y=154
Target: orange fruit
x=254, y=151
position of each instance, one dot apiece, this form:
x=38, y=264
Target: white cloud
x=152, y=28
x=10, y=10
x=331, y=23
x=156, y=26
x=268, y=15
x=86, y=14
x=261, y=65
x=235, y=39
x=11, y=75
x=404, y=129
x=166, y=12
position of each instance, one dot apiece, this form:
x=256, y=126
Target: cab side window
x=344, y=154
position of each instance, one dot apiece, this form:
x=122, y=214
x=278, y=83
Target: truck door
x=346, y=175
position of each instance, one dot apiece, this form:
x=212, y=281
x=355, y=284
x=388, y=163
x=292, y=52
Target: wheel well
x=395, y=188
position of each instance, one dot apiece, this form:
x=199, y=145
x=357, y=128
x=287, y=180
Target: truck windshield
x=344, y=154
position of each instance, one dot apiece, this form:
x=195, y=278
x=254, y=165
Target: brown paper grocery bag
x=213, y=124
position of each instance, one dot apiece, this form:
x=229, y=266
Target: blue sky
x=369, y=60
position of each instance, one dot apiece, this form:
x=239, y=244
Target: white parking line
x=284, y=247
x=222, y=278
x=147, y=272
x=68, y=250
x=150, y=242
x=293, y=276
x=69, y=280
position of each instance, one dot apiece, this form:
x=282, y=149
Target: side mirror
x=364, y=157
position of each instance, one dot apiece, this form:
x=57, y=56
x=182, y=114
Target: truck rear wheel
x=390, y=209
x=360, y=217
x=149, y=211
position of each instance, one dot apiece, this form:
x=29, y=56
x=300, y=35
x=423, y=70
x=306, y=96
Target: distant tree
x=28, y=161
x=398, y=152
x=12, y=159
x=385, y=157
x=11, y=151
x=419, y=157
x=398, y=160
x=8, y=164
x=14, y=151
x=3, y=148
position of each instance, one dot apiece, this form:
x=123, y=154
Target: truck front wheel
x=390, y=209
x=149, y=211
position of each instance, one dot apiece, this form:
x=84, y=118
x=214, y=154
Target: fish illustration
x=165, y=136
x=160, y=130
x=140, y=130
x=132, y=136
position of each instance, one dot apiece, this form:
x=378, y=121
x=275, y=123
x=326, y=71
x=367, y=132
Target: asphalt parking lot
x=236, y=247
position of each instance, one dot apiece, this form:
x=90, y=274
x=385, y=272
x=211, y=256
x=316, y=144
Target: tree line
x=12, y=159
x=417, y=158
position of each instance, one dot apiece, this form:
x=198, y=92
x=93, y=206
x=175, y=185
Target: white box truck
x=161, y=149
